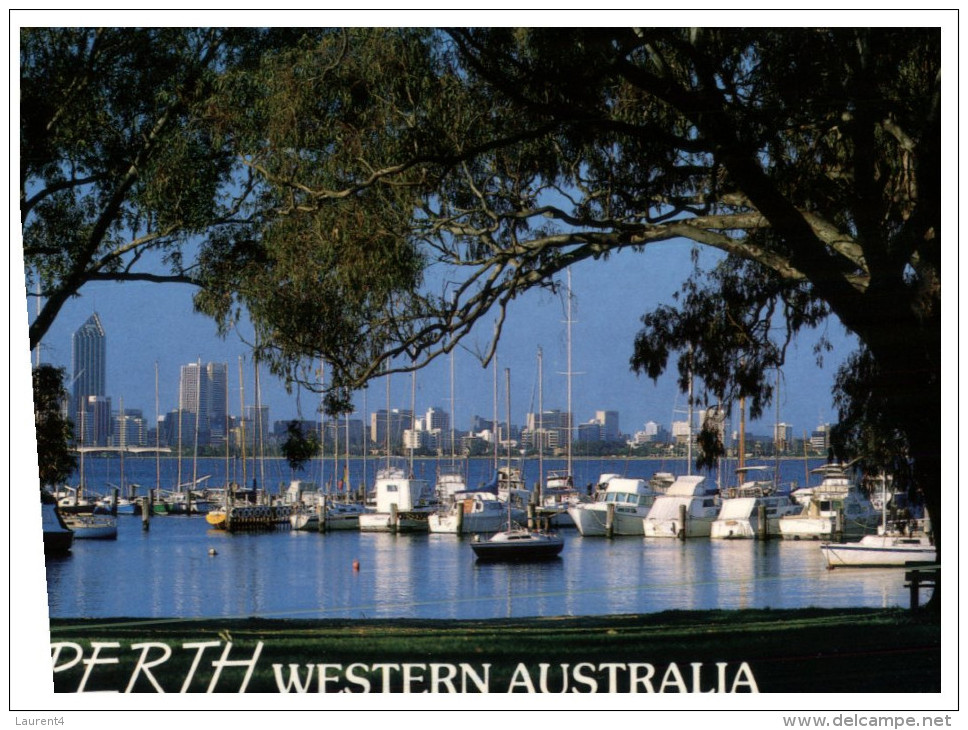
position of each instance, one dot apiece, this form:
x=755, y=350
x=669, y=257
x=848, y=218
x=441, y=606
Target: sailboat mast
x=322, y=428
x=178, y=480
x=689, y=436
x=242, y=420
x=157, y=434
x=366, y=445
x=346, y=466
x=259, y=427
x=507, y=396
x=541, y=433
x=198, y=408
x=453, y=414
x=741, y=456
x=413, y=415
x=227, y=423
x=336, y=451
x=571, y=416
x=122, y=442
x=387, y=420
x=494, y=425
x=776, y=436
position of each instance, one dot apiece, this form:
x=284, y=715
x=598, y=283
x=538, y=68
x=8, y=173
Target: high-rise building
x=608, y=421
x=88, y=365
x=94, y=421
x=202, y=390
x=783, y=437
x=129, y=428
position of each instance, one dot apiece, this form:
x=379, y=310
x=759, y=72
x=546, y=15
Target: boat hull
x=821, y=528
x=384, y=522
x=91, y=527
x=674, y=528
x=537, y=546
x=879, y=552
x=592, y=521
x=450, y=524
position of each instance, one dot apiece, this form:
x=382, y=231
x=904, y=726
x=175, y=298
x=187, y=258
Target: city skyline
x=603, y=332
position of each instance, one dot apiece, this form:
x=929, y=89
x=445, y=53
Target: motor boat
x=687, y=495
x=470, y=512
x=837, y=508
x=620, y=509
x=518, y=544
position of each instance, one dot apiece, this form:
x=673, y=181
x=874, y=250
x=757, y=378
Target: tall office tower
x=88, y=361
x=608, y=420
x=201, y=390
x=218, y=407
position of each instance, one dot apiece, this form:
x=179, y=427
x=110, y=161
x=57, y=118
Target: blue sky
x=148, y=323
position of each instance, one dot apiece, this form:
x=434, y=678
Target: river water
x=168, y=571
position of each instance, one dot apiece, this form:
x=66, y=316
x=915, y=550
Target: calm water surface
x=167, y=571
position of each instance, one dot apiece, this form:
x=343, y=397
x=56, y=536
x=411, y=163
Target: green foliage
x=55, y=458
x=298, y=448
x=369, y=195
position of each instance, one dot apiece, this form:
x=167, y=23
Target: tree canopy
x=55, y=459
x=403, y=185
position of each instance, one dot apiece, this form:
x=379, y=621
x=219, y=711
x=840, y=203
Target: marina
x=185, y=567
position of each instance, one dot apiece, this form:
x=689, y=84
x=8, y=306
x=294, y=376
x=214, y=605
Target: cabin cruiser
x=620, y=509
x=469, y=512
x=558, y=496
x=837, y=509
x=754, y=508
x=686, y=496
x=402, y=503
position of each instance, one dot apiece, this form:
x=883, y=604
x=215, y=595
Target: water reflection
x=167, y=571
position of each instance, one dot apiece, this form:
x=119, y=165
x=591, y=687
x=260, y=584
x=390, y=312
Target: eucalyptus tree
x=421, y=180
x=121, y=178
x=386, y=190
x=56, y=460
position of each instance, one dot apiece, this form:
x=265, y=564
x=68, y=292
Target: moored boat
x=890, y=549
x=470, y=512
x=836, y=509
x=92, y=527
x=688, y=497
x=753, y=509
x=620, y=510
x=403, y=504
x=518, y=544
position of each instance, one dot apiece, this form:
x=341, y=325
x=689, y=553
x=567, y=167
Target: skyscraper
x=201, y=391
x=88, y=364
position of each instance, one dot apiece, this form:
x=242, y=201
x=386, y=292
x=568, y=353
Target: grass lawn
x=803, y=650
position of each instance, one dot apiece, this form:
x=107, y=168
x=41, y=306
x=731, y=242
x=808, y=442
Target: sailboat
x=755, y=507
x=402, y=502
x=897, y=543
x=688, y=507
x=517, y=543
x=836, y=508
x=559, y=492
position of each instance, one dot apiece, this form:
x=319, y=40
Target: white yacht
x=688, y=495
x=742, y=508
x=450, y=481
x=836, y=509
x=403, y=504
x=470, y=512
x=886, y=549
x=620, y=510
